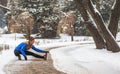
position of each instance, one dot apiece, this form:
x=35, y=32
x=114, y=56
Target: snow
x=114, y=5
x=85, y=59
x=77, y=57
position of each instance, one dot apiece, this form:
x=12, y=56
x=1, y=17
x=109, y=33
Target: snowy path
x=89, y=61
x=31, y=66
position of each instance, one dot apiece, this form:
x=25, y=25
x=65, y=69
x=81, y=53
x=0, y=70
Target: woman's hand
x=46, y=51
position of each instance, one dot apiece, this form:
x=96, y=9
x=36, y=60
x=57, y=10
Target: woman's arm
x=38, y=50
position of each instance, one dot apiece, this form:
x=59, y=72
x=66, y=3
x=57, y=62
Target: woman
x=23, y=48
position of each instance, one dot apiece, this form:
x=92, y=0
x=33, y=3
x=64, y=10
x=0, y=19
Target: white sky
x=78, y=57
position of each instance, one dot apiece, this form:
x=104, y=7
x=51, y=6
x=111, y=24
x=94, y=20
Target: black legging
x=17, y=53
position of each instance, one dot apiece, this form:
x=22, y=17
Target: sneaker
x=45, y=56
x=19, y=57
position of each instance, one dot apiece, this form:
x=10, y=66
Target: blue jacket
x=22, y=47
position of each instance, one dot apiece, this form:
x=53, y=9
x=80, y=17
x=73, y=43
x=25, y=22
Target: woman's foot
x=19, y=57
x=45, y=56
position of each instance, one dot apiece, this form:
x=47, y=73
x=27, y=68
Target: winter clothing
x=17, y=53
x=24, y=46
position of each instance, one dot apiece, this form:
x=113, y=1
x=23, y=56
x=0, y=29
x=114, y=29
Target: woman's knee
x=17, y=53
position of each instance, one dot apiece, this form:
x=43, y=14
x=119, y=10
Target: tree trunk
x=100, y=44
x=113, y=46
x=114, y=19
x=72, y=38
x=92, y=29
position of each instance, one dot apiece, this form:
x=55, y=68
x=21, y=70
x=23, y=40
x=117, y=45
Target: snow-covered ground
x=85, y=59
x=77, y=57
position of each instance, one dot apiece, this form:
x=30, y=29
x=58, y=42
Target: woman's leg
x=33, y=54
x=17, y=53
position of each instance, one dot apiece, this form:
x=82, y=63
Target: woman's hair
x=32, y=38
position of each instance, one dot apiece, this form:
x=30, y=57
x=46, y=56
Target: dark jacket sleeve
x=36, y=49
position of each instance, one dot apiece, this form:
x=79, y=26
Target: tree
x=66, y=24
x=45, y=12
x=92, y=29
x=27, y=21
x=105, y=9
x=67, y=5
x=106, y=38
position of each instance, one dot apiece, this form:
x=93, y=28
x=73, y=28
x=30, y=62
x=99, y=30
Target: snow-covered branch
x=1, y=6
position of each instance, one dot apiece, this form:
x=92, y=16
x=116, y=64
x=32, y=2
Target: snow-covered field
x=77, y=57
